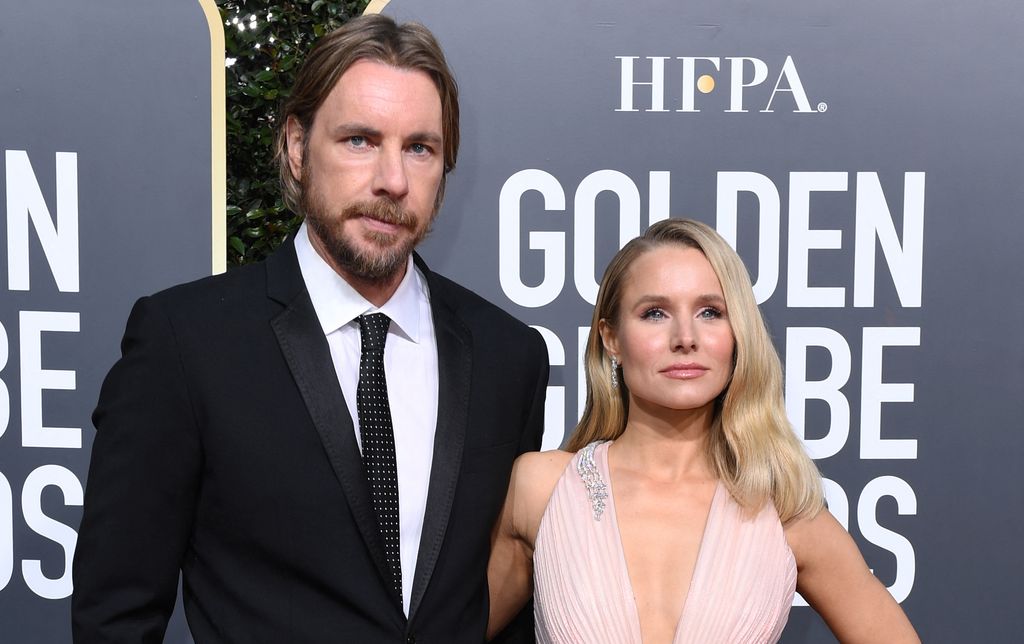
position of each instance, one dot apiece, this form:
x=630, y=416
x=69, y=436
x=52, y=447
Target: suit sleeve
x=141, y=490
x=520, y=630
x=533, y=431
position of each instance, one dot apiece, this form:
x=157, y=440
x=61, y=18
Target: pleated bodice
x=742, y=585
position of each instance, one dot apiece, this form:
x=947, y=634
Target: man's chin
x=374, y=262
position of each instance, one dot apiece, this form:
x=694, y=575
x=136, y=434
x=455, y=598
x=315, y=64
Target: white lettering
x=897, y=544
x=875, y=220
x=65, y=536
x=585, y=225
x=730, y=184
x=690, y=80
x=802, y=239
x=551, y=243
x=24, y=202
x=5, y=394
x=582, y=334
x=6, y=532
x=799, y=389
x=796, y=88
x=736, y=84
x=873, y=392
x=554, y=403
x=34, y=379
x=659, y=183
x=657, y=83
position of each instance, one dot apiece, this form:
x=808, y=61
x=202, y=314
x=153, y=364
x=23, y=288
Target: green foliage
x=264, y=43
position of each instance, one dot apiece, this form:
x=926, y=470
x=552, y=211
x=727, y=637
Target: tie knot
x=373, y=331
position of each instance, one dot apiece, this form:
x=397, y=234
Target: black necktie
x=378, y=436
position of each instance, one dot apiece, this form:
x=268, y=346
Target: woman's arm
x=510, y=570
x=835, y=580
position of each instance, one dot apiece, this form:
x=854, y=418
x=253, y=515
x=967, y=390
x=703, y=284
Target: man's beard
x=389, y=252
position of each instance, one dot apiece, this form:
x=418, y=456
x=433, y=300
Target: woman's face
x=673, y=337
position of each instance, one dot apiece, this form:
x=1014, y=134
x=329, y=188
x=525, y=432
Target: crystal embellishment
x=597, y=490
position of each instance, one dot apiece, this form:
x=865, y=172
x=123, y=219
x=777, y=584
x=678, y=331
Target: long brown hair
x=751, y=446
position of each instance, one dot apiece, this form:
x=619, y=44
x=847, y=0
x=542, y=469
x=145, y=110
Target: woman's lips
x=684, y=371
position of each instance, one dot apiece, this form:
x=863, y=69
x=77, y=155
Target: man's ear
x=608, y=338
x=295, y=137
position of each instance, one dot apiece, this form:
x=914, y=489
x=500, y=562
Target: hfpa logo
x=741, y=73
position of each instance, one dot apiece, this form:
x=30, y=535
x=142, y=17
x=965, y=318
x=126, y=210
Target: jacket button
x=411, y=639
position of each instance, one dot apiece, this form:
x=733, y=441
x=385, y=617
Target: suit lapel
x=308, y=356
x=454, y=366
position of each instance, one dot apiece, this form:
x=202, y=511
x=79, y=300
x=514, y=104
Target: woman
x=685, y=509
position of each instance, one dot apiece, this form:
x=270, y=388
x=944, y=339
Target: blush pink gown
x=740, y=593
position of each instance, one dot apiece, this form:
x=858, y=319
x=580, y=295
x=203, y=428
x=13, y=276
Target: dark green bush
x=264, y=42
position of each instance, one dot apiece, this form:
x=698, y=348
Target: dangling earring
x=615, y=373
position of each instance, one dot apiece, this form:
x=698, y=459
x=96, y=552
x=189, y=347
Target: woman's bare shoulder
x=539, y=471
x=534, y=476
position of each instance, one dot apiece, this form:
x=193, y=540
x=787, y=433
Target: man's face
x=370, y=167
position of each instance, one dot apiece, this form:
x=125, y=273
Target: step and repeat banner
x=112, y=186
x=865, y=159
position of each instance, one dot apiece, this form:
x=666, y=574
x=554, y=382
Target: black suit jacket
x=225, y=450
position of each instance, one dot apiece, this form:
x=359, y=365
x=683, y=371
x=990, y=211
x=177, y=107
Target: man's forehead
x=382, y=89
x=369, y=70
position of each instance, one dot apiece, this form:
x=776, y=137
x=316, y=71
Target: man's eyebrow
x=354, y=129
x=359, y=129
x=426, y=137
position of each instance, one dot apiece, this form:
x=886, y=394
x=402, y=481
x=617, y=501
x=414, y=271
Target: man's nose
x=390, y=178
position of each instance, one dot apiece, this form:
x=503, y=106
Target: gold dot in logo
x=705, y=84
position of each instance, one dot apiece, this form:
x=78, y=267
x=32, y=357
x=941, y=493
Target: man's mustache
x=383, y=210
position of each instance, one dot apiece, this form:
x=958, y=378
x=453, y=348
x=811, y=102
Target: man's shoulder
x=238, y=282
x=277, y=276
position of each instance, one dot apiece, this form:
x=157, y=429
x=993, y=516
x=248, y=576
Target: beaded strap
x=597, y=490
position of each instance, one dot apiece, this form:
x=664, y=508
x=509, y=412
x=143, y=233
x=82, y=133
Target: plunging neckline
x=613, y=512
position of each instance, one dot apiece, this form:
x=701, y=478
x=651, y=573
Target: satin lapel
x=308, y=356
x=454, y=365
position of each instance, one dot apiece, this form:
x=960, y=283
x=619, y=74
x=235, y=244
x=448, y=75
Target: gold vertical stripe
x=375, y=6
x=218, y=134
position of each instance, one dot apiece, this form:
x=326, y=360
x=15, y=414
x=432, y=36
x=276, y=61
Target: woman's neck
x=668, y=445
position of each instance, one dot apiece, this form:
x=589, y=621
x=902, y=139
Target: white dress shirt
x=410, y=366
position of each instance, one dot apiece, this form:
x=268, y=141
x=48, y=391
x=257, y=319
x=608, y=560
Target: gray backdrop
x=105, y=127
x=890, y=178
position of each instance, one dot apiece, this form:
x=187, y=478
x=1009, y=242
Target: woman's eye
x=710, y=313
x=653, y=314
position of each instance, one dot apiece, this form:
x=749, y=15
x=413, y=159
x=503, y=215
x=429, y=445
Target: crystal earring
x=615, y=373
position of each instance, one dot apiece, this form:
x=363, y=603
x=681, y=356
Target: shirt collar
x=336, y=303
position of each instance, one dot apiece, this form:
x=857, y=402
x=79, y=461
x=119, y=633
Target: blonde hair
x=751, y=446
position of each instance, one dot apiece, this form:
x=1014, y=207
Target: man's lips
x=684, y=371
x=379, y=224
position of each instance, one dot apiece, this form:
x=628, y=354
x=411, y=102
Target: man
x=310, y=484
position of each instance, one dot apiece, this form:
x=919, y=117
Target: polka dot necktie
x=378, y=436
